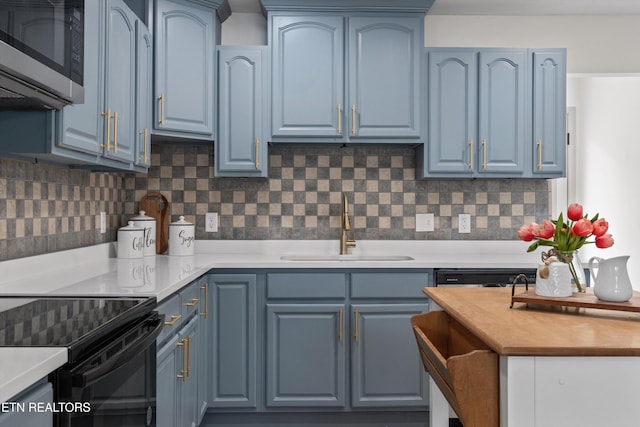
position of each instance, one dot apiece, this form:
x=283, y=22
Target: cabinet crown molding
x=395, y=6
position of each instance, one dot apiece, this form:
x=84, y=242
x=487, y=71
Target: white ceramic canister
x=148, y=224
x=182, y=238
x=130, y=241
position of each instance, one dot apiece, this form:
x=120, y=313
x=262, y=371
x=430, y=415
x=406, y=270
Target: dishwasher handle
x=102, y=364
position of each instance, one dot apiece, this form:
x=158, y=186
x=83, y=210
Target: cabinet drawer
x=190, y=299
x=172, y=317
x=306, y=285
x=389, y=285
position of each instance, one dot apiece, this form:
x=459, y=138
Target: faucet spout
x=345, y=242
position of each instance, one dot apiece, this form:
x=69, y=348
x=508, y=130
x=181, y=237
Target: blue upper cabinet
x=384, y=76
x=483, y=104
x=241, y=144
x=185, y=35
x=346, y=71
x=120, y=82
x=308, y=76
x=549, y=112
x=502, y=112
x=452, y=121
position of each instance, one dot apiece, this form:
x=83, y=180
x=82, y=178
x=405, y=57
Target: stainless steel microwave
x=41, y=53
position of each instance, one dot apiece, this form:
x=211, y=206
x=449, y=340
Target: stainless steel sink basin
x=346, y=258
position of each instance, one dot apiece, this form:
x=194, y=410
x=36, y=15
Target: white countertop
x=95, y=271
x=23, y=366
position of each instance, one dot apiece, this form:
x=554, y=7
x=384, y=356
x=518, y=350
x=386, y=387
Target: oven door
x=114, y=386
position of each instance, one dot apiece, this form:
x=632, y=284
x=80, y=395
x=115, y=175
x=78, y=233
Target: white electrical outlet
x=103, y=222
x=424, y=222
x=464, y=223
x=211, y=222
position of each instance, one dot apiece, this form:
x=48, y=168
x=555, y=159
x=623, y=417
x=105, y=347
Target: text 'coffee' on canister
x=148, y=224
x=130, y=241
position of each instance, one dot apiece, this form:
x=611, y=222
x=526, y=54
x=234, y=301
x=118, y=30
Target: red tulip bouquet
x=567, y=237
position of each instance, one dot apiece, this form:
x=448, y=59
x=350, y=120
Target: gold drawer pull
x=183, y=372
x=339, y=119
x=471, y=154
x=484, y=154
x=205, y=288
x=353, y=119
x=174, y=319
x=257, y=153
x=193, y=303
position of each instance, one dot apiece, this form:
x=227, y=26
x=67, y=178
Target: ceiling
x=503, y=7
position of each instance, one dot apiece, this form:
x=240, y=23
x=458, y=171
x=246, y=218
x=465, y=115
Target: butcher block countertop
x=539, y=330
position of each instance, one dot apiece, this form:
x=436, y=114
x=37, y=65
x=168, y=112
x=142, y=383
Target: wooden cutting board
x=157, y=206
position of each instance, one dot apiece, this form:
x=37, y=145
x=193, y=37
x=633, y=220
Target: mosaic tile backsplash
x=45, y=208
x=302, y=197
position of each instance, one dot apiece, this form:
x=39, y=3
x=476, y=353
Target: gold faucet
x=345, y=242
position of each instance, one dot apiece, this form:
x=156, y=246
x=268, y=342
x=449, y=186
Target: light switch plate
x=103, y=222
x=211, y=222
x=464, y=223
x=424, y=222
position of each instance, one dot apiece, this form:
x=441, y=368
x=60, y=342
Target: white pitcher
x=612, y=281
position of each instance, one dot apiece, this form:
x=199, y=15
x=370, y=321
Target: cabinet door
x=168, y=383
x=120, y=81
x=185, y=36
x=385, y=369
x=384, y=77
x=305, y=355
x=203, y=356
x=452, y=124
x=502, y=113
x=549, y=112
x=233, y=366
x=189, y=387
x=308, y=80
x=144, y=95
x=40, y=395
x=241, y=146
x=82, y=124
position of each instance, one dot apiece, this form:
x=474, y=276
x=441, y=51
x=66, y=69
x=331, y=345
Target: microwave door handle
x=121, y=358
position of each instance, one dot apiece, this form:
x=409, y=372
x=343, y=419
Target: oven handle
x=121, y=358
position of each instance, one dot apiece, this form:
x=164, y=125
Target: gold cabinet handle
x=355, y=316
x=193, y=303
x=353, y=119
x=115, y=132
x=107, y=114
x=340, y=326
x=183, y=372
x=484, y=154
x=257, y=153
x=145, y=135
x=188, y=356
x=205, y=288
x=471, y=154
x=161, y=119
x=339, y=119
x=539, y=145
x=174, y=319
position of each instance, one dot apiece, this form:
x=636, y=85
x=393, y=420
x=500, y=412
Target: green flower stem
x=575, y=277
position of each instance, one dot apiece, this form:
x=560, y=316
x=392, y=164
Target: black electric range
x=111, y=342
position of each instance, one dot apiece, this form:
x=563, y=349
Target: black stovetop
x=75, y=323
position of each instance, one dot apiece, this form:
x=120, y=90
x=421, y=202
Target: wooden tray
x=579, y=299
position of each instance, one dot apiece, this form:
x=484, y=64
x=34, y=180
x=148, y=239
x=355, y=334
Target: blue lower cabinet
x=168, y=377
x=41, y=394
x=189, y=408
x=385, y=371
x=233, y=367
x=305, y=355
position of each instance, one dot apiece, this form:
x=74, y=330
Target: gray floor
x=368, y=419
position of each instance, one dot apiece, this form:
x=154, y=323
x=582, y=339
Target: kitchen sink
x=346, y=258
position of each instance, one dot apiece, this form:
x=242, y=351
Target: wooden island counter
x=555, y=366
